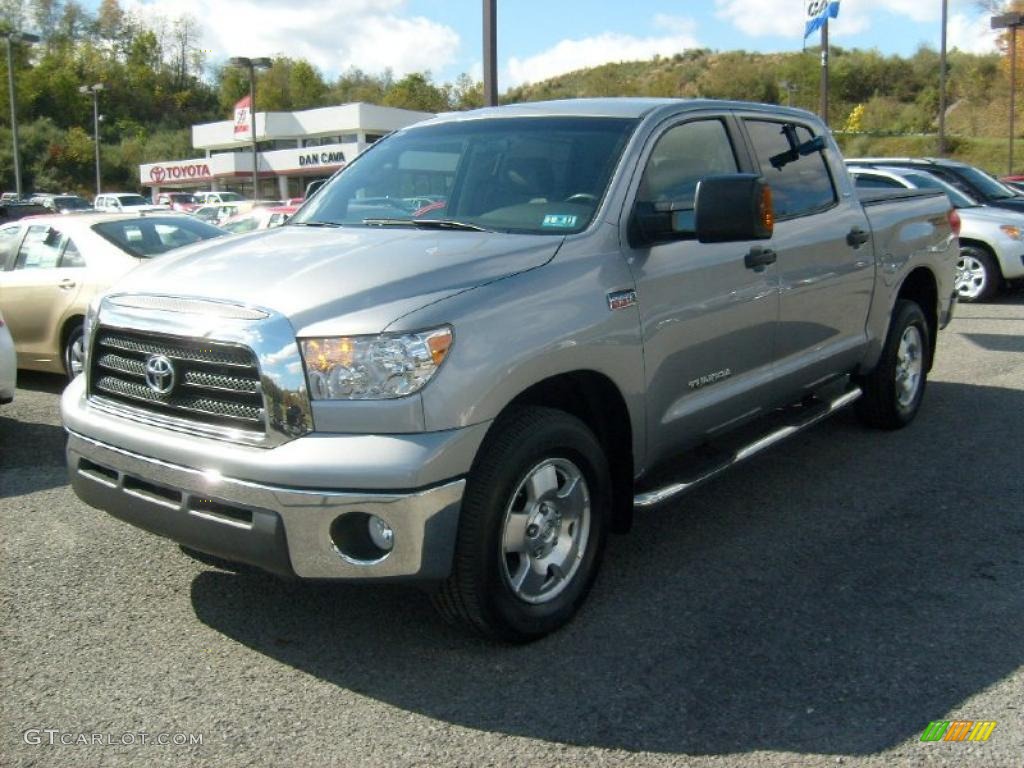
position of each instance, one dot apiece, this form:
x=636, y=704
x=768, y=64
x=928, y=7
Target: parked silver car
x=991, y=239
x=8, y=363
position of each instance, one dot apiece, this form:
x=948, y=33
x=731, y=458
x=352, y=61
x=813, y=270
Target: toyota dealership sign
x=171, y=172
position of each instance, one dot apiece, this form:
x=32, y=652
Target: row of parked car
x=991, y=213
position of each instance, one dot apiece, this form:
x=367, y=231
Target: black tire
x=980, y=283
x=885, y=404
x=73, y=338
x=478, y=595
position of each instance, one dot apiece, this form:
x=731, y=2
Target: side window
x=72, y=256
x=8, y=242
x=863, y=181
x=40, y=249
x=800, y=187
x=682, y=157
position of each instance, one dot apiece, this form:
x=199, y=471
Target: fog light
x=381, y=534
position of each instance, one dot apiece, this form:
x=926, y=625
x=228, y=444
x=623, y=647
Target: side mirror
x=733, y=208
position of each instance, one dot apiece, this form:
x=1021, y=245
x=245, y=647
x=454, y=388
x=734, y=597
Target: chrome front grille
x=214, y=384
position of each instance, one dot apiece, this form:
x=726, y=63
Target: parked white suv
x=125, y=202
x=214, y=198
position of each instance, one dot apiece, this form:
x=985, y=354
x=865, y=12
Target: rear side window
x=799, y=187
x=875, y=182
x=41, y=248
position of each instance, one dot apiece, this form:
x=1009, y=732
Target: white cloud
x=785, y=18
x=972, y=35
x=372, y=35
x=677, y=34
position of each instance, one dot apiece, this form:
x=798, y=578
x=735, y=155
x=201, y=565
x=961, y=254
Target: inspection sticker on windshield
x=560, y=220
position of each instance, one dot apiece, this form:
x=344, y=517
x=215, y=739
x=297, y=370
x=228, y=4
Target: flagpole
x=824, y=71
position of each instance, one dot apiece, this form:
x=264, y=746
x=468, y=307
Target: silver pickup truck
x=494, y=336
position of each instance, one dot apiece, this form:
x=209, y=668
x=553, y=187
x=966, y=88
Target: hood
x=988, y=215
x=1009, y=204
x=345, y=280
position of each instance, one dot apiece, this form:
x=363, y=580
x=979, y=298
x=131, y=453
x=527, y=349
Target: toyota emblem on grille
x=160, y=375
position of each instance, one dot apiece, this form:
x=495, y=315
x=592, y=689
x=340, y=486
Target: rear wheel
x=74, y=352
x=532, y=527
x=894, y=389
x=977, y=275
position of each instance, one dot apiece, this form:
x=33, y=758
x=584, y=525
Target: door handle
x=857, y=237
x=66, y=284
x=758, y=258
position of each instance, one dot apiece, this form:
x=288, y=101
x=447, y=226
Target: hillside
x=898, y=98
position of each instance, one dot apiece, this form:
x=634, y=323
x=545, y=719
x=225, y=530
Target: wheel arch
x=594, y=399
x=983, y=246
x=74, y=318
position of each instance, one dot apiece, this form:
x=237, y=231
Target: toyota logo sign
x=160, y=374
x=160, y=173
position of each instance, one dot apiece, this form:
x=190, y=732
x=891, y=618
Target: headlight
x=88, y=325
x=1014, y=233
x=373, y=367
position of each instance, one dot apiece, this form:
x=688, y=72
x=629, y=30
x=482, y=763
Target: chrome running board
x=808, y=416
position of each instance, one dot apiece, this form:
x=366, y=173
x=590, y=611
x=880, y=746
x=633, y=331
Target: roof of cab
x=622, y=107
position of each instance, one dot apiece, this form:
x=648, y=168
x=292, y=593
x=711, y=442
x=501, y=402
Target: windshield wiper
x=312, y=224
x=426, y=224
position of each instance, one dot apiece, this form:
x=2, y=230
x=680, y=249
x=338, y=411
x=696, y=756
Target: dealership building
x=293, y=149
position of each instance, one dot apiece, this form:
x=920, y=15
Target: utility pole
x=9, y=38
x=824, y=71
x=1011, y=21
x=942, y=80
x=491, y=53
x=252, y=65
x=95, y=91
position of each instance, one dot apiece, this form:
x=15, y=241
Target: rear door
x=826, y=266
x=708, y=321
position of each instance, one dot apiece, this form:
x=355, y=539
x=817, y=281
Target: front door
x=708, y=321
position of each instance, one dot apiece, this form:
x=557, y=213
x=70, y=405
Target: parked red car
x=179, y=201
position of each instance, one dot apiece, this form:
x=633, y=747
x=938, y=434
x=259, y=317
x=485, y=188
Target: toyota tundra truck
x=497, y=335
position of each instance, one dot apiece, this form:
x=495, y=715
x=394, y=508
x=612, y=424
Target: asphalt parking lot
x=818, y=606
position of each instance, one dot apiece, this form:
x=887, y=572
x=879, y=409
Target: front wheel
x=977, y=275
x=532, y=529
x=894, y=389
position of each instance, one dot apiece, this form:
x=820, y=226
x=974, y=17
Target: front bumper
x=283, y=530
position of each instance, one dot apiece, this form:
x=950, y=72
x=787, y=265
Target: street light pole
x=1011, y=21
x=490, y=53
x=95, y=91
x=244, y=62
x=9, y=38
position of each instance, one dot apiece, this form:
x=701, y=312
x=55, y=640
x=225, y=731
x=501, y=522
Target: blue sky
x=538, y=39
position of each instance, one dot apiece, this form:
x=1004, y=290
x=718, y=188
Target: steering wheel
x=581, y=197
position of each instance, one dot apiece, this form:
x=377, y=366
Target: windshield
x=989, y=187
x=153, y=235
x=229, y=197
x=71, y=204
x=927, y=181
x=543, y=175
x=130, y=201
x=181, y=198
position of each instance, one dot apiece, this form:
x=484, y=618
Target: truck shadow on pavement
x=833, y=596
